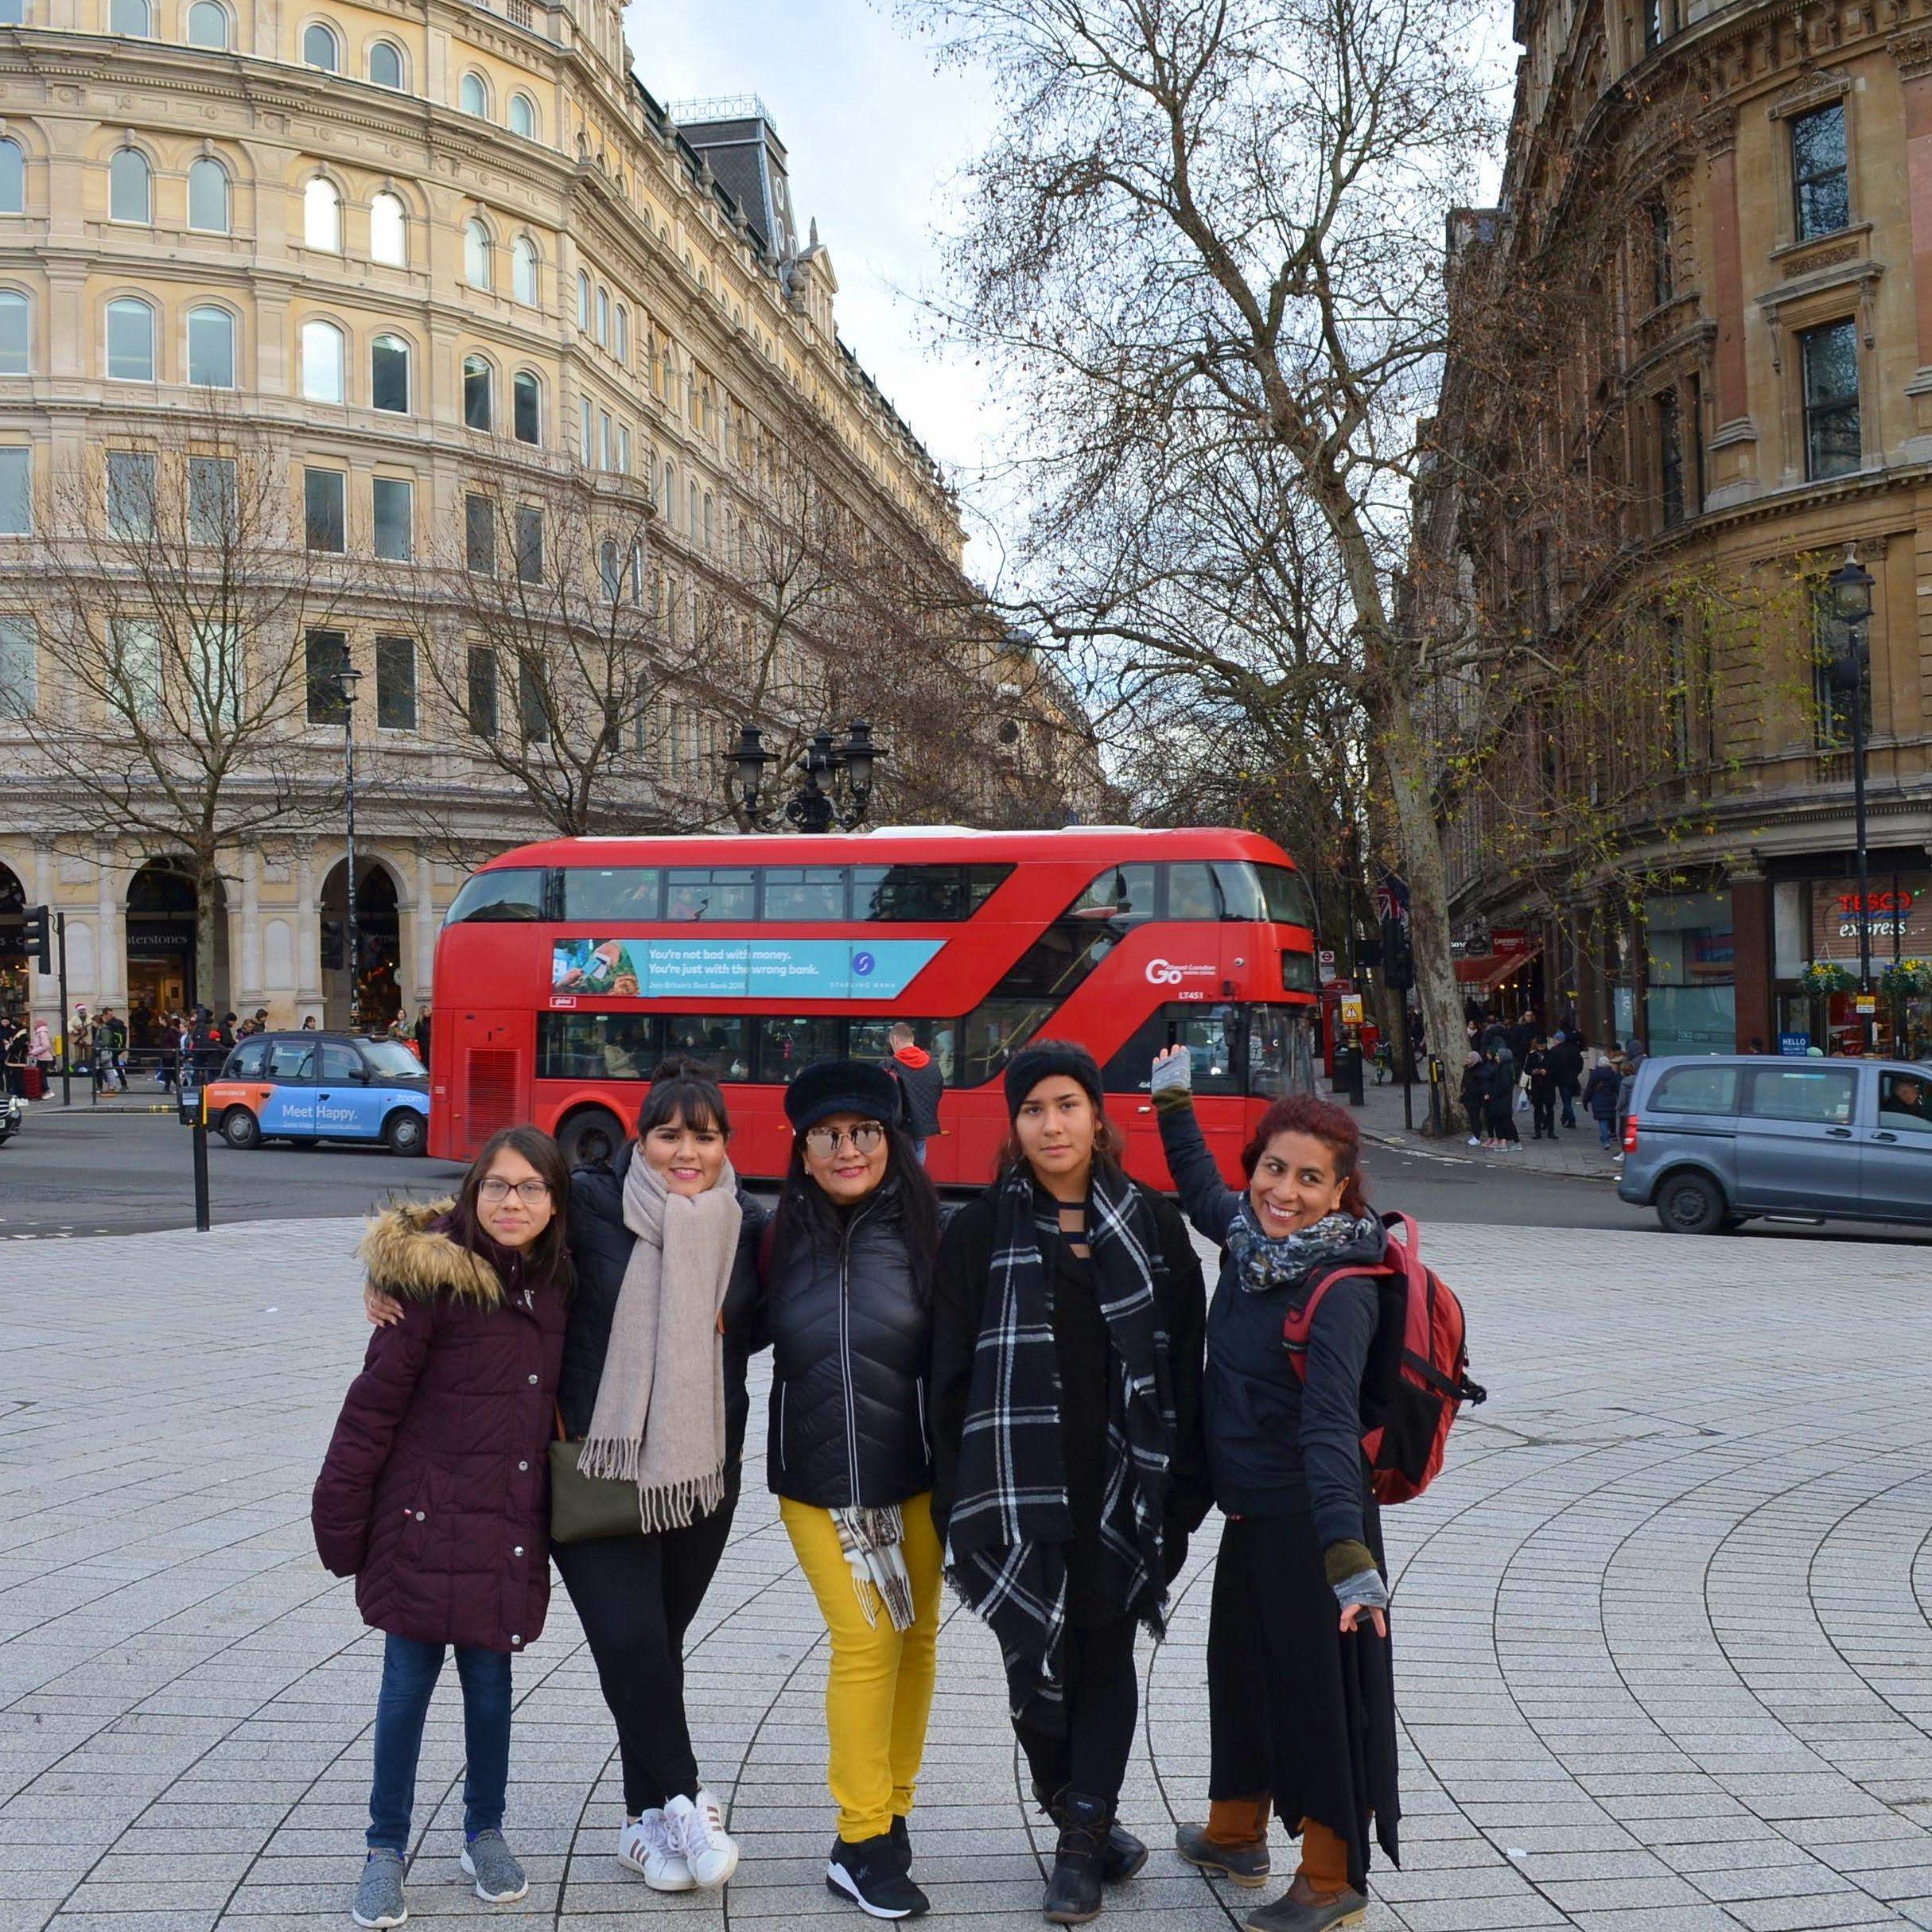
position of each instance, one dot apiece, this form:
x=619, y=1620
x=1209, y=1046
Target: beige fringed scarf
x=659, y=1420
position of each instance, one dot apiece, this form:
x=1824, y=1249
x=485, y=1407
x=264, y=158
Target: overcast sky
x=875, y=135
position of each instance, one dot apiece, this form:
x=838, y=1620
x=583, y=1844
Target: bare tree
x=1227, y=218
x=173, y=589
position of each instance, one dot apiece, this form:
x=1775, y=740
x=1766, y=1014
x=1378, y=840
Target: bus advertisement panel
x=567, y=970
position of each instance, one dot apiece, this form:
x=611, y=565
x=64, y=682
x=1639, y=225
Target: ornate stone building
x=1712, y=271
x=424, y=254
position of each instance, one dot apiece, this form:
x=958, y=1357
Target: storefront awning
x=1493, y=969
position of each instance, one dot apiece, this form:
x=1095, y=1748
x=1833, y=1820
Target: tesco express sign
x=1165, y=973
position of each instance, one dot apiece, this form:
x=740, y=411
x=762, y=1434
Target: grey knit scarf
x=660, y=1418
x=1268, y=1262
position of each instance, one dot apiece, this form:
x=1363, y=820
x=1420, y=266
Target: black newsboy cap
x=841, y=1087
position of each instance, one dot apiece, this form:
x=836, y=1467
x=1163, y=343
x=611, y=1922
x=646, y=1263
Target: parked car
x=1713, y=1143
x=321, y=1086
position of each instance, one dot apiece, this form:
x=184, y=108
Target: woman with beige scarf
x=662, y=1324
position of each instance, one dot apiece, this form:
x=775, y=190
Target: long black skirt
x=1295, y=1708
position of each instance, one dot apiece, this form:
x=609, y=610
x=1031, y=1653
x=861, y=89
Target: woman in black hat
x=848, y=1289
x=1068, y=1313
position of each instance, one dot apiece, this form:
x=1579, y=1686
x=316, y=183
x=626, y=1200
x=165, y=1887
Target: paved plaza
x=1663, y=1652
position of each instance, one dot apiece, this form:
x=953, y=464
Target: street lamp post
x=348, y=677
x=828, y=770
x=1851, y=593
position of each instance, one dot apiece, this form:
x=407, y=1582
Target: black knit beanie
x=1043, y=1059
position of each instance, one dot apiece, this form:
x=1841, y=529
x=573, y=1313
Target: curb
x=1417, y=1145
x=78, y=1111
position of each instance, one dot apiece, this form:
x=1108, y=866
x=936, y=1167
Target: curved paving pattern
x=1663, y=1646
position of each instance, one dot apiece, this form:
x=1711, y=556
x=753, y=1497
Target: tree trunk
x=207, y=897
x=1399, y=746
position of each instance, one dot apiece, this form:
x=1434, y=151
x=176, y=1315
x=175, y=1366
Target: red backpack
x=1426, y=1384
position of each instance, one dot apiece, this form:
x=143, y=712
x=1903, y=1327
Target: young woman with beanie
x=848, y=1291
x=434, y=1495
x=1301, y=1698
x=662, y=1324
x=1066, y=1381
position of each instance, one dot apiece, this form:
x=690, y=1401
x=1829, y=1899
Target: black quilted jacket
x=850, y=1338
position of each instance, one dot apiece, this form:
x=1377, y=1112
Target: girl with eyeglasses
x=434, y=1494
x=848, y=1287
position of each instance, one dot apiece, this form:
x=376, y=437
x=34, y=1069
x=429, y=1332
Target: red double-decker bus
x=567, y=970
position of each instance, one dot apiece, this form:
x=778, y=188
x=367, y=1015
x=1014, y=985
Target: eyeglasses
x=530, y=1192
x=867, y=1137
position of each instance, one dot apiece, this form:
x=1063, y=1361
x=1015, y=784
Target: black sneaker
x=871, y=1876
x=902, y=1839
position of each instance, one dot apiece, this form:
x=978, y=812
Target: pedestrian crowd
x=1515, y=1068
x=1034, y=1401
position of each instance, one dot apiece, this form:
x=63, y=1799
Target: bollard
x=190, y=1102
x=1348, y=1070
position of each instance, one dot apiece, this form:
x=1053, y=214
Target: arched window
x=583, y=301
x=603, y=315
x=322, y=215
x=523, y=116
x=623, y=344
x=211, y=348
x=691, y=528
x=12, y=179
x=476, y=255
x=523, y=268
x=389, y=375
x=128, y=17
x=479, y=380
x=667, y=499
x=526, y=407
x=321, y=48
x=130, y=340
x=16, y=333
x=322, y=361
x=709, y=513
x=129, y=186
x=474, y=95
x=386, y=64
x=208, y=26
x=207, y=196
x=388, y=230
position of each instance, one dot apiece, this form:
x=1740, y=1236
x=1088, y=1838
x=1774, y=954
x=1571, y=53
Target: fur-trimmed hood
x=414, y=1260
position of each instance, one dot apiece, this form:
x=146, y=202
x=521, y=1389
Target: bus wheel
x=591, y=1138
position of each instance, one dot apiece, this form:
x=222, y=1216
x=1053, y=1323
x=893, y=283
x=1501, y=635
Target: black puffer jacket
x=601, y=1246
x=850, y=1336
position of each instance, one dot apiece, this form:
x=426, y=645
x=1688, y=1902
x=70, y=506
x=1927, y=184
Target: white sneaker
x=1474, y=1141
x=646, y=1847
x=696, y=1827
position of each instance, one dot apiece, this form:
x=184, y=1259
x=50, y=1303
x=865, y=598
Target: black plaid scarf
x=1011, y=1524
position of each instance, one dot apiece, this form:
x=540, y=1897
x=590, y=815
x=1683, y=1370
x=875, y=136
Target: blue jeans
x=1605, y=1130
x=410, y=1670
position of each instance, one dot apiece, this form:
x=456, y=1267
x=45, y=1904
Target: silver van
x=1715, y=1142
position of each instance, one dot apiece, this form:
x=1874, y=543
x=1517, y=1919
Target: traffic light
x=1398, y=959
x=36, y=937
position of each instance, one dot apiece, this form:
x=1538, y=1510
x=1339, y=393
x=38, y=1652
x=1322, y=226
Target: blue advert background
x=759, y=969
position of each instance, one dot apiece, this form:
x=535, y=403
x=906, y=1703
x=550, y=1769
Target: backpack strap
x=1298, y=1324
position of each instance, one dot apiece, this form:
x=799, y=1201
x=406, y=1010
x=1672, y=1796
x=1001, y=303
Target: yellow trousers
x=879, y=1692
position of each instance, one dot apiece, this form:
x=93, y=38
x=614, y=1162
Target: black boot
x=1125, y=1854
x=1073, y=1892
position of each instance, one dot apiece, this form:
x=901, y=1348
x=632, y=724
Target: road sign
x=1351, y=1010
x=1867, y=1003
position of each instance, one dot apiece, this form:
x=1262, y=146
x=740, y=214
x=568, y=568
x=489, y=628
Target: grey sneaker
x=379, y=1894
x=499, y=1877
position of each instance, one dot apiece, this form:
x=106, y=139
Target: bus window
x=786, y=1048
x=1241, y=890
x=1286, y=894
x=513, y=894
x=1192, y=892
x=630, y=893
x=596, y=1046
x=711, y=892
x=722, y=1040
x=937, y=895
x=1213, y=1038
x=1119, y=892
x=805, y=892
x=1280, y=1052
x=1297, y=972
x=995, y=1030
x=867, y=1039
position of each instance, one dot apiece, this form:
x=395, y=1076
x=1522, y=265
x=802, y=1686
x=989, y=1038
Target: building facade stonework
x=415, y=252
x=1718, y=218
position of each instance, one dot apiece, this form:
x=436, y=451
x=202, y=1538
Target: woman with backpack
x=1067, y=1313
x=1301, y=1697
x=848, y=1280
x=433, y=1494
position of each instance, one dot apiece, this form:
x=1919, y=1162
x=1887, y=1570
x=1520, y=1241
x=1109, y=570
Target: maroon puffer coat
x=434, y=1494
